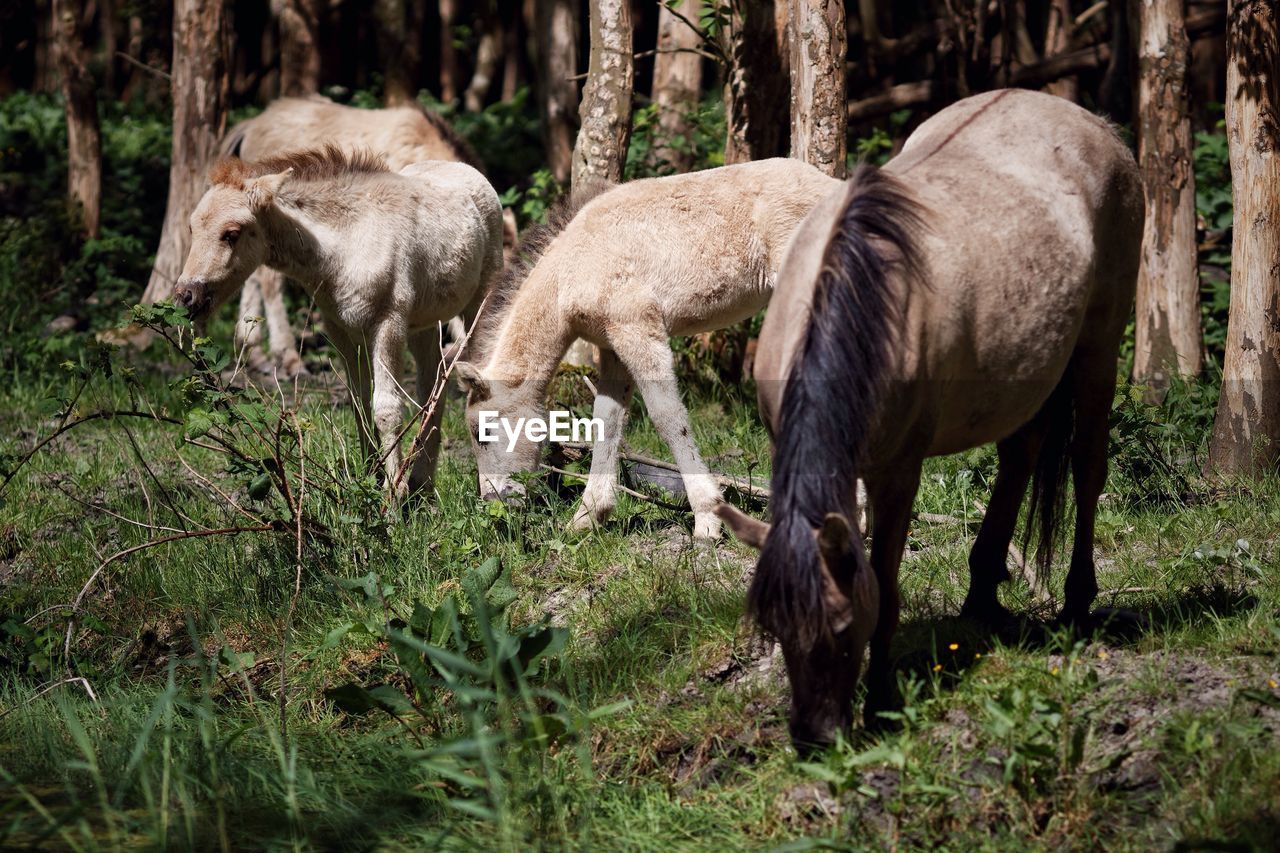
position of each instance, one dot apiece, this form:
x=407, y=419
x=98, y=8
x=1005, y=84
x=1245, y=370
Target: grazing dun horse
x=637, y=264
x=386, y=255
x=400, y=135
x=974, y=290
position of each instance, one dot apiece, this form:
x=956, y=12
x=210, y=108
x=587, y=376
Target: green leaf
x=199, y=423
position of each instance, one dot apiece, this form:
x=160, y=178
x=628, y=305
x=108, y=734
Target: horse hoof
x=583, y=521
x=289, y=365
x=991, y=615
x=706, y=527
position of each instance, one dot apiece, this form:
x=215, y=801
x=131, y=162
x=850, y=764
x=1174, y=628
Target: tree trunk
x=84, y=147
x=677, y=74
x=488, y=52
x=1168, y=334
x=1246, y=434
x=756, y=89
x=398, y=30
x=818, y=103
x=1057, y=40
x=199, y=90
x=557, y=39
x=448, y=53
x=605, y=113
x=299, y=24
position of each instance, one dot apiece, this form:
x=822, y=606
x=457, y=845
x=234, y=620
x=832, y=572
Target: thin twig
x=151, y=69
x=82, y=681
x=68, y=426
x=120, y=555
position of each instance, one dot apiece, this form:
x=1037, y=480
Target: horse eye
x=230, y=237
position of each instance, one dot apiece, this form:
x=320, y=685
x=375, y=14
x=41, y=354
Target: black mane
x=832, y=396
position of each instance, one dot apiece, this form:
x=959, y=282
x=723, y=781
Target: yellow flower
x=937, y=667
x=977, y=655
x=1103, y=655
x=1053, y=671
x=954, y=646
x=1273, y=683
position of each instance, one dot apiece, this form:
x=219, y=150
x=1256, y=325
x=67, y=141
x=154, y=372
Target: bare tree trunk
x=756, y=88
x=398, y=30
x=1246, y=434
x=199, y=89
x=1057, y=40
x=1168, y=334
x=605, y=113
x=84, y=146
x=557, y=39
x=488, y=52
x=818, y=100
x=516, y=34
x=299, y=24
x=677, y=75
x=109, y=25
x=448, y=53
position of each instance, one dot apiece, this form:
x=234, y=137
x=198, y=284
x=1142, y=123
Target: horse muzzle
x=507, y=491
x=195, y=295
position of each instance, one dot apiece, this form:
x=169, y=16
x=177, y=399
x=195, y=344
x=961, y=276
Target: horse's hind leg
x=647, y=356
x=1094, y=382
x=613, y=399
x=988, y=559
x=425, y=347
x=248, y=336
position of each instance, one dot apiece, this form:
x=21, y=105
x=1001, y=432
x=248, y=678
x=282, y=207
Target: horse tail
x=1049, y=478
x=832, y=396
x=234, y=139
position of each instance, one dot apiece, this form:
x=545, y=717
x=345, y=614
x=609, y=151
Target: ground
x=203, y=713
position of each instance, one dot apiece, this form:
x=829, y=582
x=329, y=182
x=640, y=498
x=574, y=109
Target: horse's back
x=402, y=135
x=459, y=220
x=1033, y=208
x=698, y=251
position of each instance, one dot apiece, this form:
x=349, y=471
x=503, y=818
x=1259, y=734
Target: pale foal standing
x=639, y=263
x=401, y=135
x=387, y=256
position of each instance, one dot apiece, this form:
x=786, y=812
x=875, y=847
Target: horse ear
x=750, y=531
x=470, y=380
x=835, y=537
x=262, y=191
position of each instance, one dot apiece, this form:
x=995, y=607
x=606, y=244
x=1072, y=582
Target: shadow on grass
x=946, y=648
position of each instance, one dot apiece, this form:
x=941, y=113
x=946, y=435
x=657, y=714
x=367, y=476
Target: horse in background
x=400, y=135
x=637, y=264
x=387, y=257
x=974, y=290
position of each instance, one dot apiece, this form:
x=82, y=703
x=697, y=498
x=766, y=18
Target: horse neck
x=532, y=337
x=304, y=231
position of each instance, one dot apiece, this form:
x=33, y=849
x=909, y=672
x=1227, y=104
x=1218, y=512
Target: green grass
x=209, y=723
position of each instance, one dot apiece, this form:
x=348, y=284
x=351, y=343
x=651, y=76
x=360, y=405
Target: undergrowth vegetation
x=215, y=632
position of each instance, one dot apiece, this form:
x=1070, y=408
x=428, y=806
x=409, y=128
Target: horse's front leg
x=355, y=360
x=648, y=357
x=425, y=348
x=386, y=349
x=891, y=497
x=613, y=399
x=280, y=339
